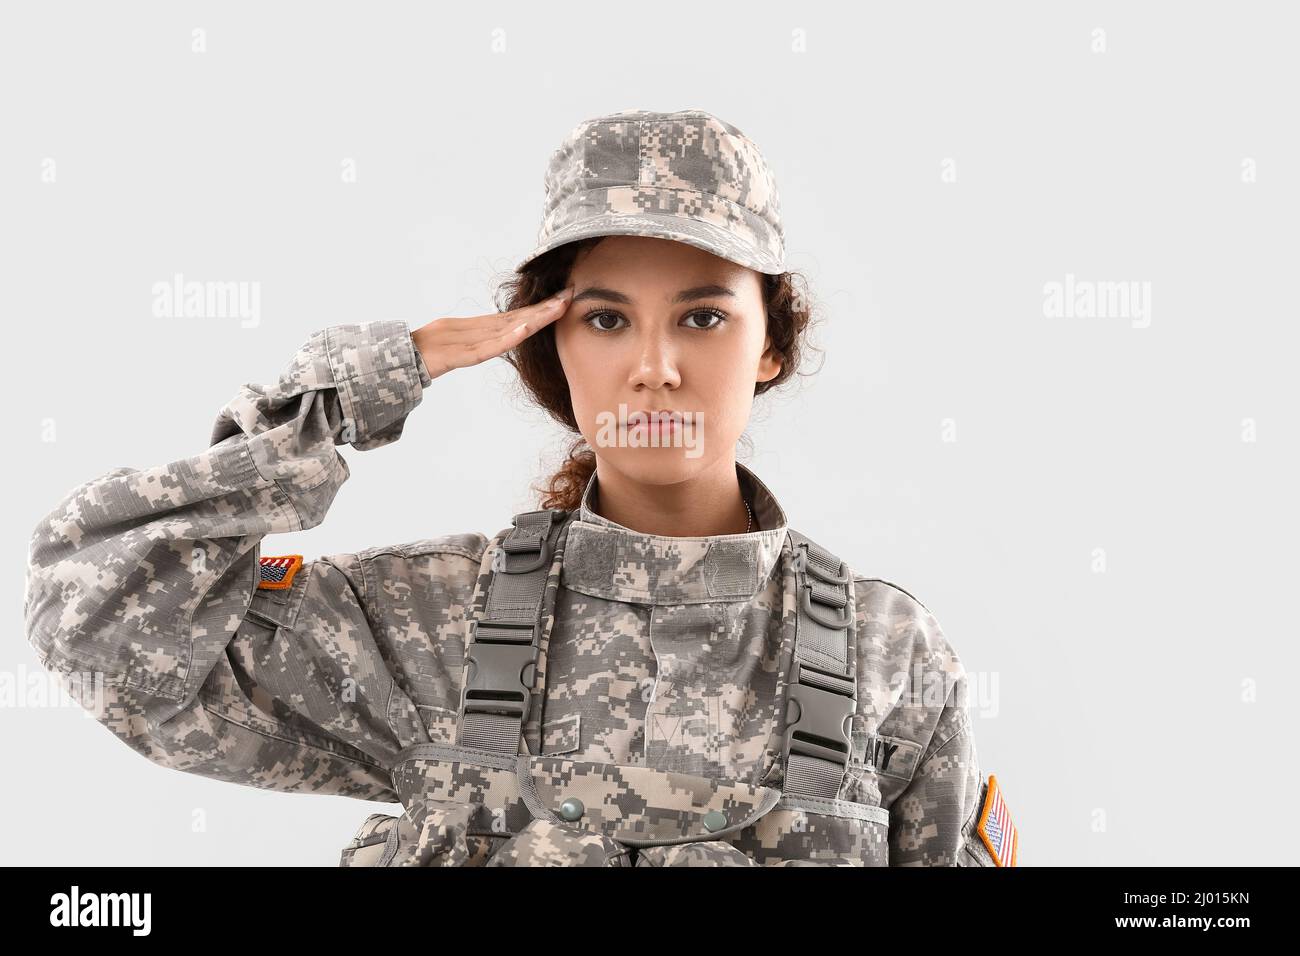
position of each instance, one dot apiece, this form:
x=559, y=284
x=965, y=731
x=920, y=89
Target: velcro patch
x=276, y=573
x=995, y=827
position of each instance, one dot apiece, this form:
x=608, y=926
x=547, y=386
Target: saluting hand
x=445, y=344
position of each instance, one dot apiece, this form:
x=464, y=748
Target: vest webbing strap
x=821, y=692
x=501, y=656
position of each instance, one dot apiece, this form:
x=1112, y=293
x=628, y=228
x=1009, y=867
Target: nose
x=656, y=362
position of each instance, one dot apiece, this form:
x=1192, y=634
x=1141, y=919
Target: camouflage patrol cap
x=685, y=175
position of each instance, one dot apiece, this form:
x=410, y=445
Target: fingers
x=460, y=343
x=537, y=316
x=453, y=331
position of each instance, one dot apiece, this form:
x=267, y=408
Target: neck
x=709, y=503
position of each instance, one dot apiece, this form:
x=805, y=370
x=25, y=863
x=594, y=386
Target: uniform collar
x=605, y=559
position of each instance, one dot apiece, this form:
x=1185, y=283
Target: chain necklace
x=750, y=522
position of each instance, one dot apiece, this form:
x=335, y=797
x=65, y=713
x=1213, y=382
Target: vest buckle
x=497, y=681
x=825, y=704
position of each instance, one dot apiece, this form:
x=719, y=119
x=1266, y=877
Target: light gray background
x=1124, y=730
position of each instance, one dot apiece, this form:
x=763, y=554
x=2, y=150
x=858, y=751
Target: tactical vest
x=481, y=801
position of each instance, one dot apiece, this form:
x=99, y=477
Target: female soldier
x=652, y=669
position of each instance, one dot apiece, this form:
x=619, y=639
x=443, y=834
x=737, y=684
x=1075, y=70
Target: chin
x=658, y=466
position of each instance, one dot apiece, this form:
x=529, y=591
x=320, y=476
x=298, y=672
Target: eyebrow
x=686, y=295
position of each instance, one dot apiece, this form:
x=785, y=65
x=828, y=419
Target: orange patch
x=996, y=828
x=276, y=573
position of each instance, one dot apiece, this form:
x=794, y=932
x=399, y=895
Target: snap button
x=714, y=820
x=571, y=809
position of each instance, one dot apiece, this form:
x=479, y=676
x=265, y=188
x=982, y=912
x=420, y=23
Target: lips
x=663, y=416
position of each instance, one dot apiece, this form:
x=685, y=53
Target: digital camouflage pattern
x=686, y=175
x=661, y=665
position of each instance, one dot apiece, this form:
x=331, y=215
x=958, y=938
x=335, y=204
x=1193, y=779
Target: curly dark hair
x=789, y=317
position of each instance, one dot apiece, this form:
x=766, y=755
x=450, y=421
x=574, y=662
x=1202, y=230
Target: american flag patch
x=277, y=573
x=996, y=829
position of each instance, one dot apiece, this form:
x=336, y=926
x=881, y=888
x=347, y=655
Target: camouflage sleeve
x=933, y=821
x=144, y=583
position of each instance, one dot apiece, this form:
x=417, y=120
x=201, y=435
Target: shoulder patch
x=995, y=827
x=276, y=573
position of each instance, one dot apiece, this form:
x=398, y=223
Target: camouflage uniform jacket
x=657, y=688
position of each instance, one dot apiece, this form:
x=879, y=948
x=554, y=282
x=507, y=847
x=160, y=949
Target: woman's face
x=656, y=324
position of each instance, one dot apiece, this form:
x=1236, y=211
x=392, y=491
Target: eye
x=709, y=313
x=594, y=319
